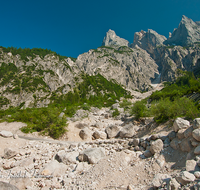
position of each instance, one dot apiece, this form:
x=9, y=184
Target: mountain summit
x=112, y=39
x=187, y=32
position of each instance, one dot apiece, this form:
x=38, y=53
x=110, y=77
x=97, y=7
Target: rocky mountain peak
x=148, y=40
x=112, y=39
x=187, y=32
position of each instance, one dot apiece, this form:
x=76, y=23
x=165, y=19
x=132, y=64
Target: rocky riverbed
x=102, y=152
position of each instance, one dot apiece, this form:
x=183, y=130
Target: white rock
x=196, y=134
x=6, y=134
x=180, y=123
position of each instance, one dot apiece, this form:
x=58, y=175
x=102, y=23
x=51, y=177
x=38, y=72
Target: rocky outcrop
x=132, y=68
x=171, y=59
x=188, y=32
x=148, y=40
x=112, y=39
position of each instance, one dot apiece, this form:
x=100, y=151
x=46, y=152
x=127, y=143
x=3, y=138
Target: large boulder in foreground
x=91, y=155
x=180, y=123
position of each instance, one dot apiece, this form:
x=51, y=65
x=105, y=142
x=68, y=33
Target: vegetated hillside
x=29, y=76
x=92, y=91
x=180, y=98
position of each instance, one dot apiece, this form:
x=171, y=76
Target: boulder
x=159, y=179
x=67, y=158
x=191, y=166
x=21, y=183
x=54, y=168
x=173, y=184
x=99, y=135
x=156, y=146
x=185, y=177
x=128, y=131
x=9, y=153
x=85, y=134
x=91, y=155
x=180, y=134
x=196, y=134
x=196, y=123
x=80, y=125
x=7, y=186
x=82, y=167
x=6, y=134
x=172, y=135
x=135, y=142
x=175, y=143
x=186, y=145
x=112, y=131
x=147, y=153
x=188, y=132
x=180, y=123
x=197, y=150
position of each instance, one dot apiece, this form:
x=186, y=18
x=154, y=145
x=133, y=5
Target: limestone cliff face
x=131, y=67
x=171, y=59
x=32, y=82
x=148, y=40
x=188, y=32
x=112, y=39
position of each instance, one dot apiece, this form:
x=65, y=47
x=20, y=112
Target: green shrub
x=115, y=113
x=139, y=109
x=165, y=109
x=125, y=104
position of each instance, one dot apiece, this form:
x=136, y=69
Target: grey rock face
x=148, y=40
x=187, y=32
x=112, y=39
x=133, y=68
x=170, y=59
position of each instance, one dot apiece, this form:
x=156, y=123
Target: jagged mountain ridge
x=134, y=66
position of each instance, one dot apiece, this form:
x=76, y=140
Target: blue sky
x=73, y=27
